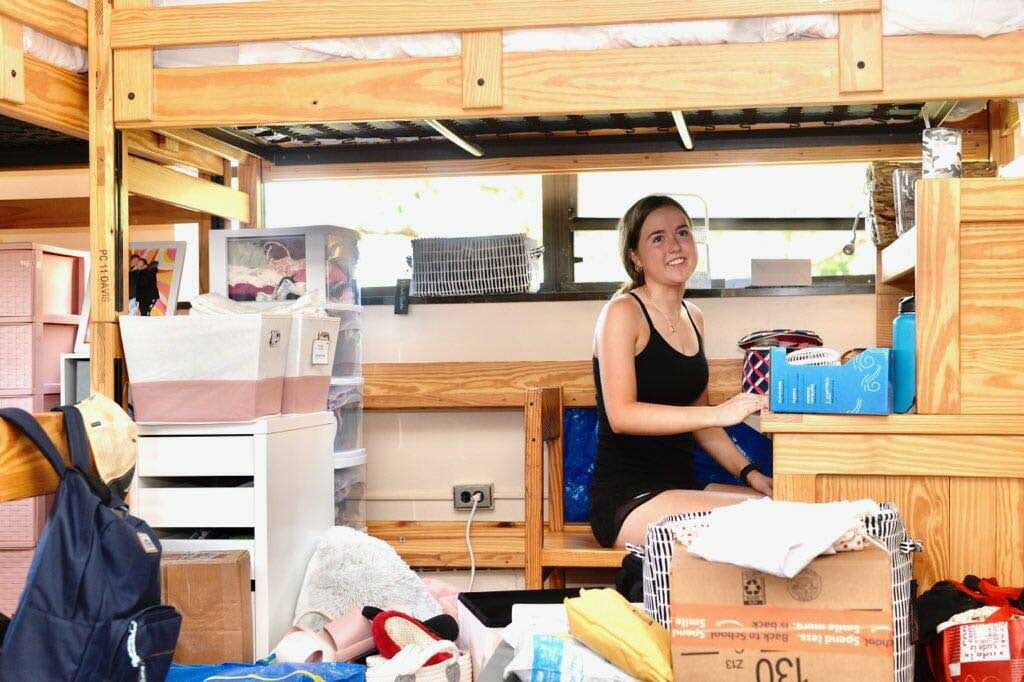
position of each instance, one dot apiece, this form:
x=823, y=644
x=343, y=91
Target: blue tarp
x=580, y=445
x=292, y=672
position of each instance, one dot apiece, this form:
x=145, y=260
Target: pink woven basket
x=22, y=521
x=16, y=283
x=14, y=565
x=33, y=402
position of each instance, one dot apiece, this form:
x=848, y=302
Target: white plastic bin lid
x=347, y=381
x=349, y=458
x=343, y=308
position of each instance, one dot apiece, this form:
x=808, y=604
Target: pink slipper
x=351, y=635
x=302, y=645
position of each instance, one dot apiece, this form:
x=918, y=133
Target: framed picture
x=280, y=264
x=154, y=279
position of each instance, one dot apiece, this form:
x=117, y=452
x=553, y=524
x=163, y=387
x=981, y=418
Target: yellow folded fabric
x=626, y=636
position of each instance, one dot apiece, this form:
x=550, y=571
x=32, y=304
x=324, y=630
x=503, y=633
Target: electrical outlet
x=463, y=496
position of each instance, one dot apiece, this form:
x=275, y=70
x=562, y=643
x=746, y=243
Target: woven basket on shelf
x=883, y=209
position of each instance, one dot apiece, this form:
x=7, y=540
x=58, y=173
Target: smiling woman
x=651, y=377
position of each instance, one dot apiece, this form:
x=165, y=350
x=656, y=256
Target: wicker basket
x=882, y=205
x=471, y=266
x=22, y=521
x=886, y=527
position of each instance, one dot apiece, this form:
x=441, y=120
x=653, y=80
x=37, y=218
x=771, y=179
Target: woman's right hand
x=739, y=407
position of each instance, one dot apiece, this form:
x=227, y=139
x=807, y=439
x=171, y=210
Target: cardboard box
x=212, y=591
x=780, y=272
x=833, y=621
x=861, y=386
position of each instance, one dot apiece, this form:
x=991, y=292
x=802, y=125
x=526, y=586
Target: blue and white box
x=861, y=386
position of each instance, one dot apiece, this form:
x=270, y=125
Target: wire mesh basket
x=886, y=527
x=819, y=356
x=470, y=266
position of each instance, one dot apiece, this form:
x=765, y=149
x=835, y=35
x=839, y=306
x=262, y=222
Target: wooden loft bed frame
x=50, y=97
x=860, y=66
x=32, y=90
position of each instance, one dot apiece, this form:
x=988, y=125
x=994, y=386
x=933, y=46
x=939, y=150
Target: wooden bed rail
x=389, y=386
x=24, y=472
x=59, y=18
x=144, y=27
x=481, y=385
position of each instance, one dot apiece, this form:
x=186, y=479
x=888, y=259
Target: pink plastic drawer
x=33, y=402
x=37, y=280
x=30, y=356
x=22, y=521
x=14, y=565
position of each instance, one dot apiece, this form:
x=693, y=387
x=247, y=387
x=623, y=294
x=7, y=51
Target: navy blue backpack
x=91, y=606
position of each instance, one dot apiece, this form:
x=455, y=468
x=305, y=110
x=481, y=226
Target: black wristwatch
x=744, y=474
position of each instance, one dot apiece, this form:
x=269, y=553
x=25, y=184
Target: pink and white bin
x=198, y=368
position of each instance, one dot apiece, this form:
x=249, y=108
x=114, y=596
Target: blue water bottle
x=904, y=351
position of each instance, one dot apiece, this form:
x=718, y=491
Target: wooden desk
x=958, y=481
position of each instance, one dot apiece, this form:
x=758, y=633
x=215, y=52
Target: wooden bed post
x=108, y=243
x=133, y=94
x=542, y=424
x=482, y=85
x=250, y=181
x=534, y=487
x=553, y=436
x=860, y=52
x=12, y=62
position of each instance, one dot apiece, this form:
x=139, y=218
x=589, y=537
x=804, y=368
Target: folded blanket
x=779, y=538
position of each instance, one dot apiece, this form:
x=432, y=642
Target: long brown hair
x=629, y=234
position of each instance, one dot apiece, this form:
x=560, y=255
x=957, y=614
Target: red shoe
x=394, y=630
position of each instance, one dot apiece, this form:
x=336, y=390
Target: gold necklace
x=671, y=326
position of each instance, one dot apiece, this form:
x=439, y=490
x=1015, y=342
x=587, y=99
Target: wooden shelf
x=899, y=260
x=441, y=544
x=920, y=424
x=501, y=544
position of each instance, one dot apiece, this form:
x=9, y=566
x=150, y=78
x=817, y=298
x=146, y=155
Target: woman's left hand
x=760, y=483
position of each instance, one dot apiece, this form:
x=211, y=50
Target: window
x=756, y=212
x=390, y=213
x=730, y=251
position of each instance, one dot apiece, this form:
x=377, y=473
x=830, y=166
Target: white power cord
x=478, y=497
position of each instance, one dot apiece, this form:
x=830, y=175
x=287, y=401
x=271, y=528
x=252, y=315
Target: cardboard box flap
x=849, y=580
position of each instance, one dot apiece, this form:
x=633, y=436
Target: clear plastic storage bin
x=348, y=357
x=350, y=489
x=345, y=400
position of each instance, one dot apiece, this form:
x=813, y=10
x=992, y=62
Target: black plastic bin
x=494, y=609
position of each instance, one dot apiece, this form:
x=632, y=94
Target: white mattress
x=56, y=52
x=901, y=17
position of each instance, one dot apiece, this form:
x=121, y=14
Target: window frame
x=559, y=201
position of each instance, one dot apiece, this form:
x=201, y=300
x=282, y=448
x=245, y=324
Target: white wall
x=414, y=458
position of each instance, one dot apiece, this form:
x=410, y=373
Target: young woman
x=651, y=376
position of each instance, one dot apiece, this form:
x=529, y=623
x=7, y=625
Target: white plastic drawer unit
x=209, y=506
x=196, y=456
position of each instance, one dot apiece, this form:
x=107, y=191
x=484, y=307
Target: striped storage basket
x=886, y=527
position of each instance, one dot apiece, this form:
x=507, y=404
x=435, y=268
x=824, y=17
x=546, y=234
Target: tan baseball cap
x=113, y=436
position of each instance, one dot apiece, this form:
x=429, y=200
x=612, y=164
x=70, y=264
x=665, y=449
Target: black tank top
x=628, y=465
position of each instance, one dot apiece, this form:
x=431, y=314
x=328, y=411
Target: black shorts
x=606, y=519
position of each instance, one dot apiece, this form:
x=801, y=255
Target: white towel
x=779, y=538
x=310, y=304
